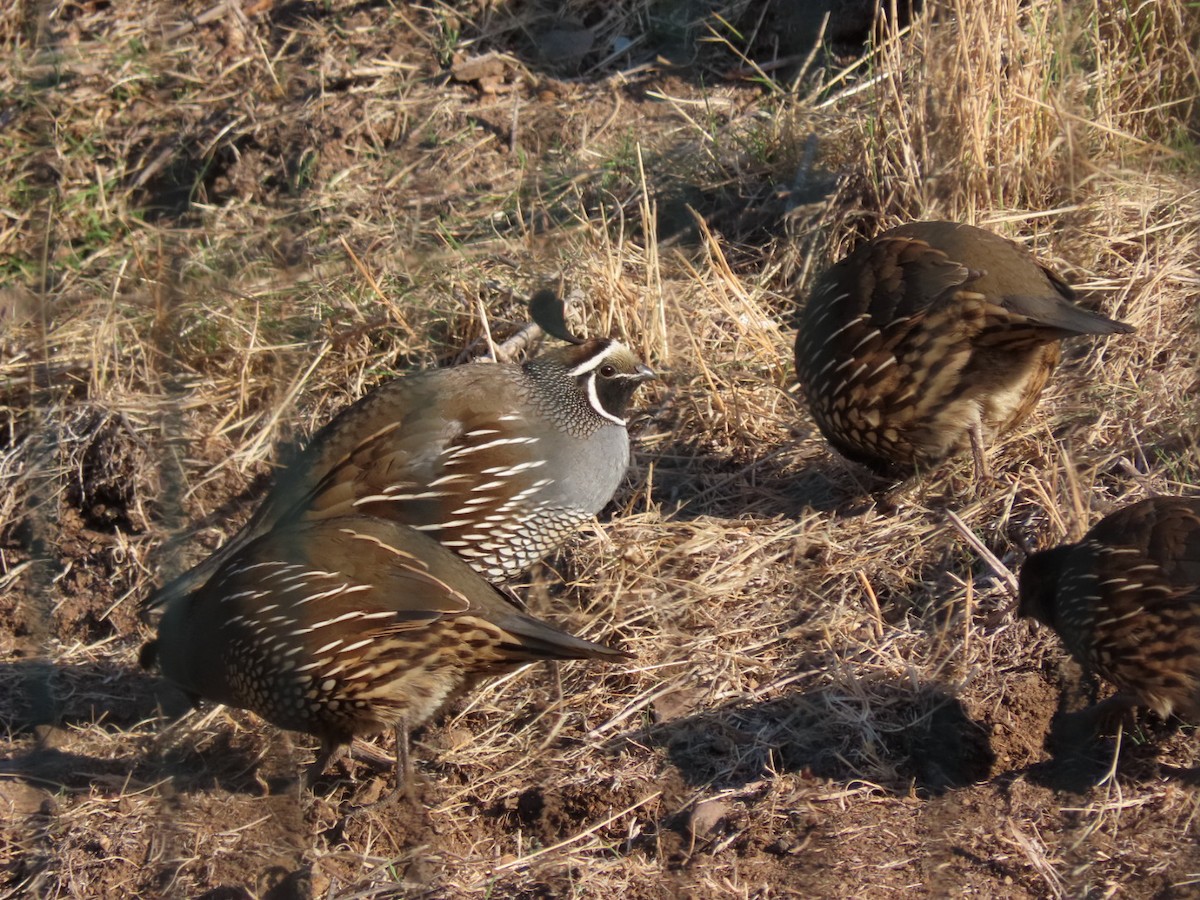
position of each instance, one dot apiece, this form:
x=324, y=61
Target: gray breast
x=586, y=471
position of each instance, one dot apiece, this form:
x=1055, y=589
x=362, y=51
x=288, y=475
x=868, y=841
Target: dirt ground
x=223, y=222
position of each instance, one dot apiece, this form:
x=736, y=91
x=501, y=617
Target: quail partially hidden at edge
x=931, y=337
x=500, y=462
x=1125, y=601
x=347, y=626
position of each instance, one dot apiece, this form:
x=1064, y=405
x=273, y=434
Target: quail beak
x=643, y=373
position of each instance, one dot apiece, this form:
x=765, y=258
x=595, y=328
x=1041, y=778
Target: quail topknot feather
x=346, y=626
x=931, y=337
x=1125, y=601
x=500, y=462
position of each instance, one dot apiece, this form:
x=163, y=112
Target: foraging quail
x=345, y=626
x=1126, y=603
x=930, y=337
x=499, y=462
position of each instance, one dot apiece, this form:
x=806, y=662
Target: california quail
x=499, y=462
x=931, y=336
x=346, y=626
x=1126, y=603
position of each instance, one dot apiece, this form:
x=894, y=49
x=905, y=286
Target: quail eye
x=608, y=370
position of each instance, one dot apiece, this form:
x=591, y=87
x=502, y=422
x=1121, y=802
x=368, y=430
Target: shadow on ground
x=692, y=480
x=71, y=726
x=828, y=734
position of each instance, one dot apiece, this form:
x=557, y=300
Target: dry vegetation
x=216, y=231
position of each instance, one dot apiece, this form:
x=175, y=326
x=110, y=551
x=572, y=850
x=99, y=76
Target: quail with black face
x=929, y=338
x=347, y=626
x=1125, y=601
x=500, y=462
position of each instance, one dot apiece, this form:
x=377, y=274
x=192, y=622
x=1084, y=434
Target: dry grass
x=217, y=233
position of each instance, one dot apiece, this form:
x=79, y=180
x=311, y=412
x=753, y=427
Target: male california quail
x=931, y=336
x=1126, y=603
x=499, y=462
x=346, y=626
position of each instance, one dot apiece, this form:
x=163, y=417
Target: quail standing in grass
x=499, y=462
x=932, y=337
x=348, y=626
x=1125, y=601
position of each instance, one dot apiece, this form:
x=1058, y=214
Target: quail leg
x=982, y=473
x=329, y=752
x=404, y=772
x=556, y=700
x=404, y=783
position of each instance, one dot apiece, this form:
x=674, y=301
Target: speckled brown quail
x=500, y=462
x=347, y=626
x=931, y=337
x=1125, y=601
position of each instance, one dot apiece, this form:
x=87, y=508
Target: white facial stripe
x=595, y=362
x=594, y=399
